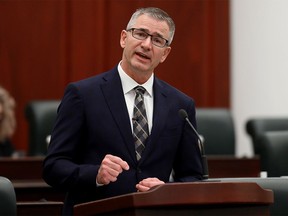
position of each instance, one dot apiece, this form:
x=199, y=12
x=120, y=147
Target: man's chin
x=141, y=67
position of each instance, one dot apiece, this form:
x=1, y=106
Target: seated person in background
x=7, y=122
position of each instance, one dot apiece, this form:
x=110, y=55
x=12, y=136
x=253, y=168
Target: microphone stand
x=202, y=150
x=183, y=114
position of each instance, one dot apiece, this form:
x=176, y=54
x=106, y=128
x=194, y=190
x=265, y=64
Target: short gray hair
x=157, y=14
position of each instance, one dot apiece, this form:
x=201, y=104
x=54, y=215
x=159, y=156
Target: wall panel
x=44, y=45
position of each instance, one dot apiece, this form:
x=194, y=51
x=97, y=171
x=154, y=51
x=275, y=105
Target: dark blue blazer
x=93, y=121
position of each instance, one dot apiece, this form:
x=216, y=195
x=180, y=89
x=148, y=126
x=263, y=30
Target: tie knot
x=140, y=90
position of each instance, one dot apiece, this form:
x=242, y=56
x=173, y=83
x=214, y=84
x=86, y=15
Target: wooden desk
x=231, y=167
x=26, y=176
x=36, y=208
x=23, y=168
x=30, y=168
x=36, y=190
x=35, y=197
x=197, y=198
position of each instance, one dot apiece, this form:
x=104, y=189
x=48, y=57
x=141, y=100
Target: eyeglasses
x=142, y=35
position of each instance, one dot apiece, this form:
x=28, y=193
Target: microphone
x=183, y=114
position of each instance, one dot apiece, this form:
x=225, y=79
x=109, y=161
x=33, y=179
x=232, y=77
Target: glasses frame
x=152, y=36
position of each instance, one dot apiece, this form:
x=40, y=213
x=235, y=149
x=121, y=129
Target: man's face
x=141, y=56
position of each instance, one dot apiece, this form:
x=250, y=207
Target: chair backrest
x=41, y=116
x=257, y=126
x=217, y=128
x=7, y=197
x=279, y=186
x=273, y=151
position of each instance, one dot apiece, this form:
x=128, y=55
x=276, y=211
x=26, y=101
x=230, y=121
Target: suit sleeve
x=62, y=166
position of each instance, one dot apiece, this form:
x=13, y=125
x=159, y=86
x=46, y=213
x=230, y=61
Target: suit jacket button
x=139, y=170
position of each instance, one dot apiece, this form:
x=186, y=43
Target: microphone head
x=183, y=114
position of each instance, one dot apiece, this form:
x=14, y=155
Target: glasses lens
x=139, y=34
x=158, y=41
x=142, y=35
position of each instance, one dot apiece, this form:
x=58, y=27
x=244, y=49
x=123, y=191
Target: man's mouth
x=142, y=55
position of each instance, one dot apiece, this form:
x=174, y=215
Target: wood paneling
x=45, y=44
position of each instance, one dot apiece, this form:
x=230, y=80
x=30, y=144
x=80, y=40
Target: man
x=92, y=153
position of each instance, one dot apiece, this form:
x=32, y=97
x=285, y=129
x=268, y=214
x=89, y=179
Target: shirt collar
x=129, y=84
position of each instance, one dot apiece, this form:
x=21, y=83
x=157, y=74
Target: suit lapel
x=113, y=93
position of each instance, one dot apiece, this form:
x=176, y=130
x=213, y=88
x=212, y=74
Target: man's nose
x=147, y=42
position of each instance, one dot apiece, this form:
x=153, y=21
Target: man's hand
x=110, y=168
x=148, y=183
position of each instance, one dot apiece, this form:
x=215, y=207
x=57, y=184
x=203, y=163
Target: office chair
x=279, y=186
x=273, y=151
x=7, y=197
x=257, y=126
x=41, y=116
x=217, y=128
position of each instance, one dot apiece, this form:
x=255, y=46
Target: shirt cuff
x=97, y=184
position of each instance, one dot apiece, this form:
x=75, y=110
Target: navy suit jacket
x=93, y=121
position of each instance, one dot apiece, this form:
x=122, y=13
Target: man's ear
x=166, y=52
x=123, y=38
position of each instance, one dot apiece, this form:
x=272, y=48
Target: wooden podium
x=198, y=198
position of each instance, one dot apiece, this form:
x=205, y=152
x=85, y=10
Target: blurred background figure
x=7, y=122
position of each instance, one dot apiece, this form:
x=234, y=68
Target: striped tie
x=140, y=124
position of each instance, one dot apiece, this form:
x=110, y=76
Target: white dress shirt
x=128, y=85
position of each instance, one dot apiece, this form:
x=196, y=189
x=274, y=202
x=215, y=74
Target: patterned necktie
x=140, y=124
